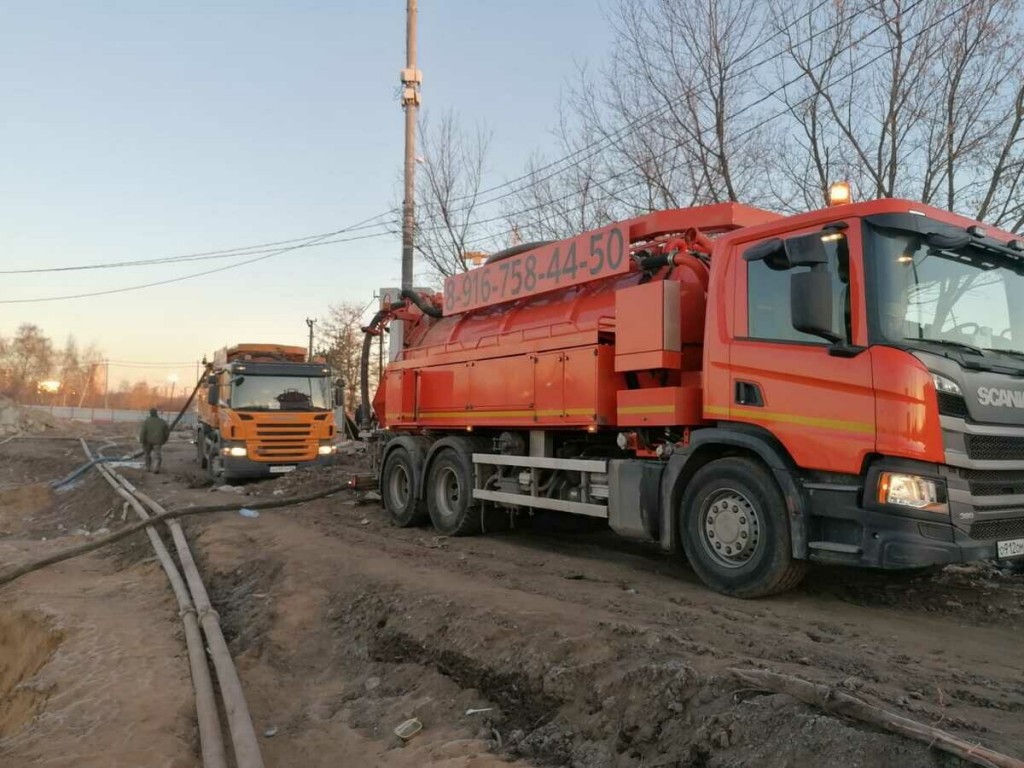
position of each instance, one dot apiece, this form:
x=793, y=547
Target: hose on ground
x=80, y=471
x=211, y=739
x=243, y=735
x=12, y=574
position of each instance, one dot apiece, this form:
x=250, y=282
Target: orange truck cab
x=756, y=391
x=264, y=410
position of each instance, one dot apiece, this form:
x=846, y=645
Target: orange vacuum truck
x=264, y=410
x=755, y=391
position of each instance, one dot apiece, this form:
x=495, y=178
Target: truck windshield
x=280, y=393
x=967, y=297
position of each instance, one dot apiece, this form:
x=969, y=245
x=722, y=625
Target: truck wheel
x=201, y=449
x=398, y=490
x=450, y=495
x=735, y=530
x=215, y=464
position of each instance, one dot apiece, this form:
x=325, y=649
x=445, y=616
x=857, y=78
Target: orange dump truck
x=753, y=390
x=264, y=410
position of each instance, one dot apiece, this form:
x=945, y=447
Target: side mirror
x=810, y=296
x=212, y=380
x=808, y=251
x=339, y=393
x=211, y=395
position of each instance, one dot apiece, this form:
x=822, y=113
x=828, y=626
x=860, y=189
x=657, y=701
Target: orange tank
x=589, y=340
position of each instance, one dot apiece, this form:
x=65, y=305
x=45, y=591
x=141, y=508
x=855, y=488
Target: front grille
x=994, y=447
x=285, y=441
x=1011, y=528
x=993, y=482
x=952, y=405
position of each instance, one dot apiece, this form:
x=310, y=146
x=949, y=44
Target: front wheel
x=735, y=530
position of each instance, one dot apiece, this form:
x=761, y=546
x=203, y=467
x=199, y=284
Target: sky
x=131, y=129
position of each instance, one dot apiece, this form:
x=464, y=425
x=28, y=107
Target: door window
x=768, y=296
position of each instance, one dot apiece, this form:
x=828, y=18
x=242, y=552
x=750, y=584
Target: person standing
x=153, y=435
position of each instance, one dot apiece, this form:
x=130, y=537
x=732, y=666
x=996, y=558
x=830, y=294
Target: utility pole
x=412, y=79
x=310, y=322
x=106, y=384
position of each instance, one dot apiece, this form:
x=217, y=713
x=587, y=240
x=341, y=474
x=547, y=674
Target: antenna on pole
x=310, y=322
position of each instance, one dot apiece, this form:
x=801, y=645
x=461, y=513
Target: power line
x=592, y=149
x=207, y=255
x=181, y=278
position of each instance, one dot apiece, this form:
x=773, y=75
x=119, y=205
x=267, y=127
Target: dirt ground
x=546, y=645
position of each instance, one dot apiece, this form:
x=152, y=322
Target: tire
x=201, y=449
x=215, y=464
x=398, y=490
x=748, y=551
x=450, y=494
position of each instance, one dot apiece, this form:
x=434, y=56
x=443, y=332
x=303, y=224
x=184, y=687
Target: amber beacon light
x=839, y=193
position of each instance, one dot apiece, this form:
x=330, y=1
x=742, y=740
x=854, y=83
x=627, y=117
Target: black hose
x=191, y=397
x=424, y=306
x=364, y=369
x=515, y=250
x=649, y=263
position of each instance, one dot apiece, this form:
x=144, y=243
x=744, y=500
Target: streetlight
x=172, y=380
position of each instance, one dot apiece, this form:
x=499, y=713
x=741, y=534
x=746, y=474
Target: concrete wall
x=110, y=415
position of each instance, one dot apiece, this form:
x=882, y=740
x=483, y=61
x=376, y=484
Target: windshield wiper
x=948, y=343
x=1016, y=352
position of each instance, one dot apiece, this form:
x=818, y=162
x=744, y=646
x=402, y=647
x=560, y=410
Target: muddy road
x=550, y=644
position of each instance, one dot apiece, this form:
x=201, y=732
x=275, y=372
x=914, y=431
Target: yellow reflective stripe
x=793, y=418
x=648, y=409
x=506, y=414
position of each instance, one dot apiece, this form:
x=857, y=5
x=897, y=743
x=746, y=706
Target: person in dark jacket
x=153, y=435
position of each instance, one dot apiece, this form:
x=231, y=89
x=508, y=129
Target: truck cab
x=264, y=410
x=881, y=346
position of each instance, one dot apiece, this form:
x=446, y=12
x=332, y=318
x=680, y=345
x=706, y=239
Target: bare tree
x=340, y=341
x=28, y=360
x=555, y=199
x=919, y=100
x=448, y=187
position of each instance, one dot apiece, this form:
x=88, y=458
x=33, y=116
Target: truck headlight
x=326, y=450
x=942, y=384
x=912, y=491
x=234, y=450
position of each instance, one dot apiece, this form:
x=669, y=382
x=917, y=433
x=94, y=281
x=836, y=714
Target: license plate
x=282, y=470
x=1011, y=548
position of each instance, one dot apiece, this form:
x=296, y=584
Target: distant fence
x=112, y=415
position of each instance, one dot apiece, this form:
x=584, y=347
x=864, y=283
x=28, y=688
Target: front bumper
x=846, y=525
x=244, y=468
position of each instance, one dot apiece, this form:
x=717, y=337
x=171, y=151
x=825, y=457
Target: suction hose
x=364, y=368
x=424, y=306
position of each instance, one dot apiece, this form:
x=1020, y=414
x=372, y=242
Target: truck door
x=814, y=395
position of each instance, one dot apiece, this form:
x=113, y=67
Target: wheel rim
x=447, y=492
x=399, y=486
x=730, y=528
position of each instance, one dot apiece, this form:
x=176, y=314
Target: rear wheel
x=450, y=494
x=398, y=490
x=735, y=530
